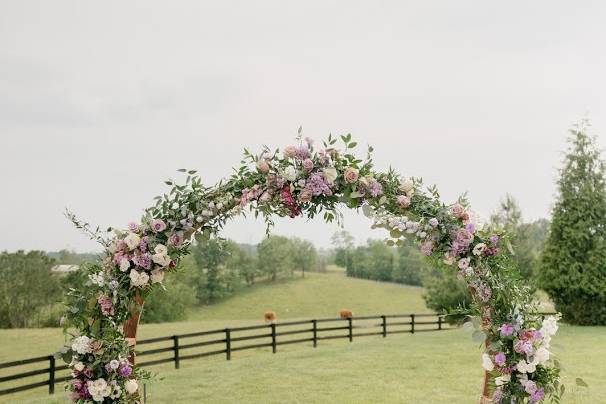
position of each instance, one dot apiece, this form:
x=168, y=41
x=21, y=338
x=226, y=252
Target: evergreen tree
x=574, y=259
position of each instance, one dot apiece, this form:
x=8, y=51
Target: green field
x=422, y=368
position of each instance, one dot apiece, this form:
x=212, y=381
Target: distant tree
x=375, y=261
x=275, y=257
x=305, y=256
x=27, y=288
x=445, y=293
x=574, y=260
x=244, y=261
x=215, y=280
x=343, y=243
x=171, y=303
x=410, y=265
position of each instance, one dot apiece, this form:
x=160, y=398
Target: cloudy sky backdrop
x=102, y=101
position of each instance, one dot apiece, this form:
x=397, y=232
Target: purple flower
x=134, y=227
x=177, y=238
x=506, y=330
x=538, y=395
x=302, y=152
x=523, y=347
x=158, y=225
x=308, y=164
x=125, y=370
x=497, y=395
x=500, y=359
x=494, y=239
x=470, y=228
x=317, y=185
x=375, y=188
x=143, y=260
x=427, y=248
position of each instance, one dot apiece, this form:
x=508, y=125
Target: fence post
x=384, y=324
x=412, y=323
x=51, y=374
x=315, y=332
x=176, y=351
x=228, y=344
x=273, y=337
x=349, y=320
x=439, y=322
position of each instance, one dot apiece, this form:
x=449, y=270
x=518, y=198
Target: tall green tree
x=275, y=256
x=343, y=243
x=305, y=256
x=28, y=289
x=574, y=259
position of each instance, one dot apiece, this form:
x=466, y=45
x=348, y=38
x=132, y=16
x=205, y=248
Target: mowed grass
x=438, y=367
x=317, y=295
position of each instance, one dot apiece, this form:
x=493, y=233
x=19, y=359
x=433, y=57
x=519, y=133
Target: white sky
x=102, y=101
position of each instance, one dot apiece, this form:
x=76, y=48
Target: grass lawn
x=440, y=367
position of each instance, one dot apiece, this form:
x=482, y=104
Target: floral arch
x=301, y=180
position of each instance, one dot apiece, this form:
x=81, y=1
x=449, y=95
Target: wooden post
x=315, y=332
x=176, y=351
x=51, y=374
x=384, y=325
x=350, y=329
x=228, y=344
x=273, y=337
x=439, y=322
x=412, y=323
x=131, y=325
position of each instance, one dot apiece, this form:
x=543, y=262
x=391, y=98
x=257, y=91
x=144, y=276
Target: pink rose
x=457, y=210
x=158, y=225
x=290, y=151
x=351, y=175
x=404, y=201
x=308, y=164
x=176, y=239
x=263, y=166
x=305, y=195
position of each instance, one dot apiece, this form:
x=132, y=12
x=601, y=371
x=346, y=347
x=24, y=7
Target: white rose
x=161, y=259
x=131, y=386
x=161, y=249
x=138, y=279
x=81, y=345
x=132, y=240
x=290, y=174
x=541, y=355
x=406, y=185
x=79, y=366
x=157, y=276
x=502, y=380
x=330, y=174
x=124, y=264
x=487, y=363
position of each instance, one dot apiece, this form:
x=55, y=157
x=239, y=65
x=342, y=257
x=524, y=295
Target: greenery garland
x=300, y=180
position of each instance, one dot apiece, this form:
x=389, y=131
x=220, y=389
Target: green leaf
x=367, y=210
x=182, y=170
x=478, y=336
x=383, y=200
x=353, y=144
x=581, y=382
x=356, y=194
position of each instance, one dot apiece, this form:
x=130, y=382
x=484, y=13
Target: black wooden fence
x=229, y=340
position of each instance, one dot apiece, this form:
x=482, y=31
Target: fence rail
x=228, y=340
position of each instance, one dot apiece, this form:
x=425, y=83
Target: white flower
x=114, y=364
x=502, y=380
x=116, y=393
x=330, y=174
x=541, y=356
x=131, y=386
x=124, y=264
x=161, y=249
x=290, y=174
x=525, y=367
x=97, y=279
x=99, y=389
x=487, y=362
x=132, y=241
x=469, y=271
x=138, y=279
x=79, y=366
x=479, y=249
x=433, y=222
x=81, y=345
x=161, y=259
x=157, y=276
x=406, y=185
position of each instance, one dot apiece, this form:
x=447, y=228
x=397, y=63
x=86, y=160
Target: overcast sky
x=102, y=101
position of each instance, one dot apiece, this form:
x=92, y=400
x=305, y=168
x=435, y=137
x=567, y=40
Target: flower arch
x=301, y=180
